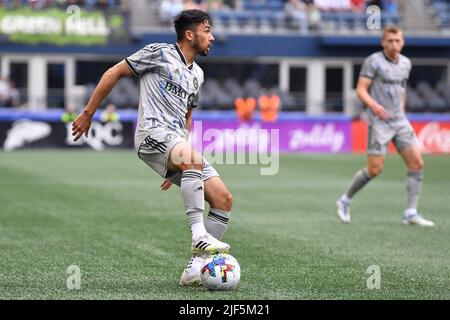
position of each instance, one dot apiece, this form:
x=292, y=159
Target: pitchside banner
x=19, y=130
x=26, y=133
x=318, y=136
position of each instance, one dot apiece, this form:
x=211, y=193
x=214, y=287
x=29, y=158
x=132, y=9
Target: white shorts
x=155, y=151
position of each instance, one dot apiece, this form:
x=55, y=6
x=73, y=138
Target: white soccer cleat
x=210, y=245
x=191, y=275
x=343, y=210
x=417, y=219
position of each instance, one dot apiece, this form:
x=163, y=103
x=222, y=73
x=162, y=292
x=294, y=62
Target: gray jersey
x=168, y=87
x=388, y=83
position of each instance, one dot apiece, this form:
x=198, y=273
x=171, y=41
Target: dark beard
x=198, y=50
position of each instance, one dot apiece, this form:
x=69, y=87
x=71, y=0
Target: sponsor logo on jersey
x=389, y=81
x=175, y=89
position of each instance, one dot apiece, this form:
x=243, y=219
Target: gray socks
x=217, y=222
x=192, y=192
x=358, y=182
x=413, y=188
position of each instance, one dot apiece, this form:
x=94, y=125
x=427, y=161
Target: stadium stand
x=310, y=18
x=268, y=16
x=441, y=10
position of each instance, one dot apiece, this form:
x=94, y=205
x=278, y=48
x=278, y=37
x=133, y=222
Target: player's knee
x=375, y=170
x=228, y=202
x=223, y=202
x=417, y=165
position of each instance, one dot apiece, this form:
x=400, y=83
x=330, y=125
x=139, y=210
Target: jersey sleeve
x=368, y=69
x=409, y=65
x=408, y=71
x=195, y=101
x=144, y=60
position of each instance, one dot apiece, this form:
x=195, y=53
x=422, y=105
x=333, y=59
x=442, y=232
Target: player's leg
x=185, y=159
x=377, y=140
x=374, y=167
x=220, y=202
x=412, y=157
x=408, y=146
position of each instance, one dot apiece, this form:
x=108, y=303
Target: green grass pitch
x=105, y=213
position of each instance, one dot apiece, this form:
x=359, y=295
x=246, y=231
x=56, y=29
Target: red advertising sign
x=434, y=136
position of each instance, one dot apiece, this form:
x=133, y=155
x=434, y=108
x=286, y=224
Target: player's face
x=203, y=38
x=393, y=44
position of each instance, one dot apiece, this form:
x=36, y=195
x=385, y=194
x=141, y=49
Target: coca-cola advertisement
x=433, y=136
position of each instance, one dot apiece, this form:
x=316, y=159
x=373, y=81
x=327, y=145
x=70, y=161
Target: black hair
x=187, y=19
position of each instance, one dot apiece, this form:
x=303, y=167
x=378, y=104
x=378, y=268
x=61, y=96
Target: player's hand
x=81, y=125
x=166, y=185
x=380, y=112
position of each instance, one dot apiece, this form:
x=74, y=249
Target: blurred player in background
x=170, y=83
x=382, y=88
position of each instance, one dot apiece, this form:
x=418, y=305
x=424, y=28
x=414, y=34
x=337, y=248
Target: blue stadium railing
x=8, y=114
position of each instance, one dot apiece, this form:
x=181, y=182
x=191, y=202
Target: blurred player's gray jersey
x=168, y=87
x=388, y=83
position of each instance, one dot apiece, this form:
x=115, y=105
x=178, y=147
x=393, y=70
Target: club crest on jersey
x=195, y=83
x=175, y=89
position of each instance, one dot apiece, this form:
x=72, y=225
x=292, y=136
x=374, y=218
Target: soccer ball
x=220, y=272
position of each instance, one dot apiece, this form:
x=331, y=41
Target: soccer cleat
x=417, y=219
x=191, y=275
x=209, y=244
x=343, y=210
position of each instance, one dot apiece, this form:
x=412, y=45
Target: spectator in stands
x=357, y=6
x=9, y=95
x=333, y=5
x=296, y=10
x=245, y=108
x=269, y=105
x=378, y=3
x=38, y=4
x=191, y=4
x=170, y=8
x=4, y=91
x=212, y=5
x=234, y=4
x=14, y=95
x=390, y=7
x=313, y=14
x=110, y=114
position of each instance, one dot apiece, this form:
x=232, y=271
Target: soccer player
x=382, y=88
x=170, y=83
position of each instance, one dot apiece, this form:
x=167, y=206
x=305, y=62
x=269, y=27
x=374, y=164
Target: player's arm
x=362, y=91
x=109, y=79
